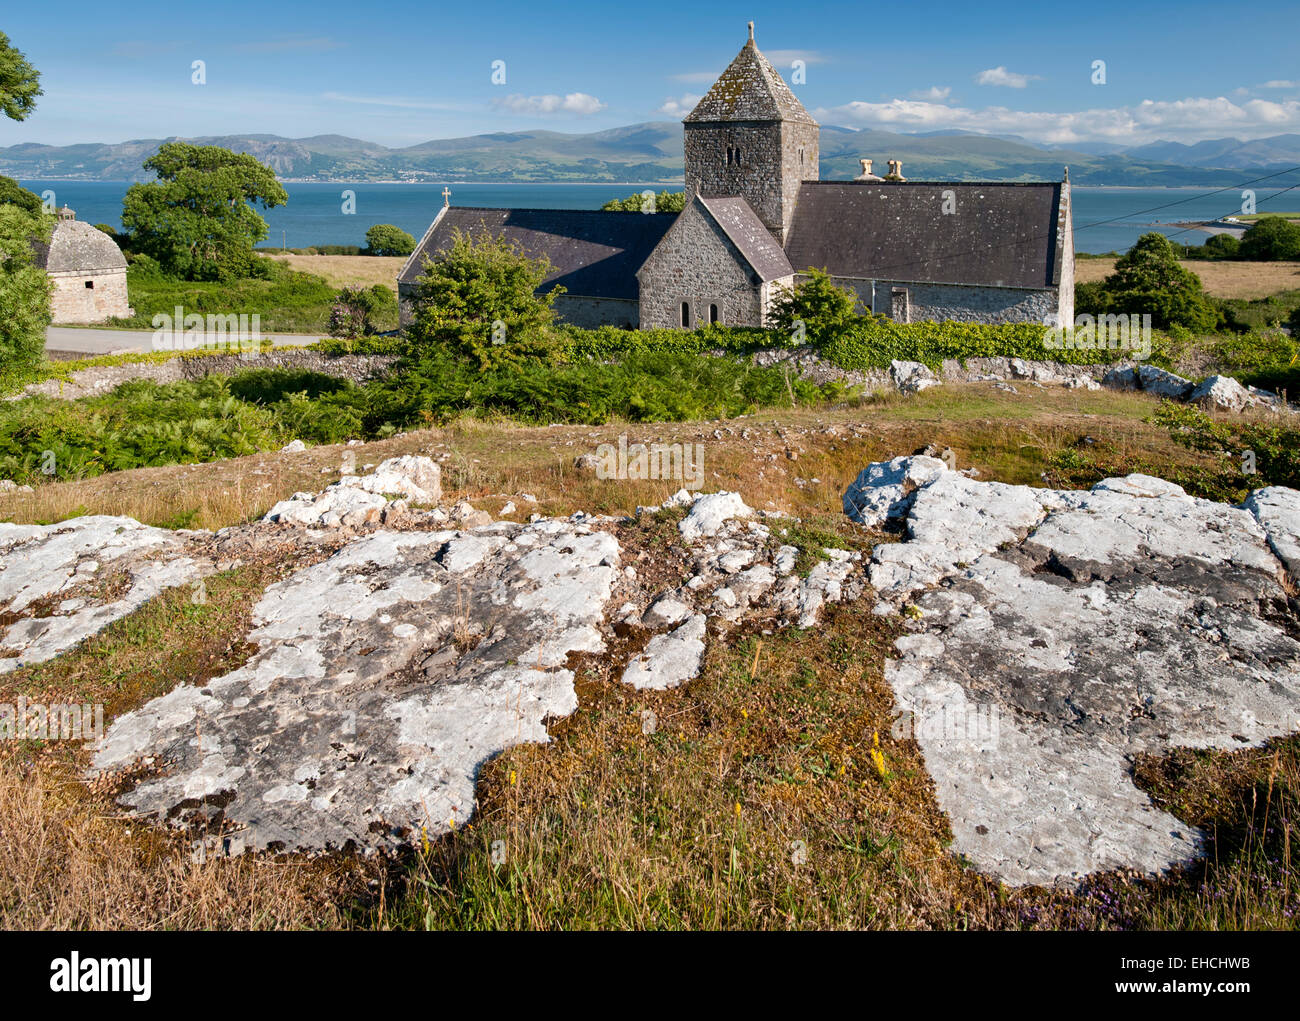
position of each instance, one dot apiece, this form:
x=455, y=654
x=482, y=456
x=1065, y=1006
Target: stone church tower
x=750, y=137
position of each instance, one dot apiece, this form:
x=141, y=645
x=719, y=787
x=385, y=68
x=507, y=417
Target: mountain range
x=652, y=152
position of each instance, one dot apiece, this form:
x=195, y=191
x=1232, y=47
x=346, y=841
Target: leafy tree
x=24, y=289
x=665, y=202
x=1271, y=239
x=1222, y=246
x=386, y=239
x=20, y=83
x=480, y=298
x=198, y=219
x=13, y=193
x=824, y=309
x=1149, y=280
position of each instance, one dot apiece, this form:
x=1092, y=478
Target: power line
x=879, y=272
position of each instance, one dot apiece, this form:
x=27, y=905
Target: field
x=1222, y=279
x=608, y=828
x=345, y=270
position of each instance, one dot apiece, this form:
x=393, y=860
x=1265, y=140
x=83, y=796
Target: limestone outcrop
x=1055, y=635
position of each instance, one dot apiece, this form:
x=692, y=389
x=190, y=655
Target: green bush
x=1149, y=280
x=664, y=202
x=24, y=291
x=1271, y=239
x=387, y=239
x=814, y=309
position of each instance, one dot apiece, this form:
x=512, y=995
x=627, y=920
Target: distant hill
x=653, y=152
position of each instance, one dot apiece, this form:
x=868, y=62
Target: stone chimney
x=866, y=174
x=895, y=171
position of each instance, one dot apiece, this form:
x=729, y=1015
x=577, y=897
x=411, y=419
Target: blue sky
x=400, y=73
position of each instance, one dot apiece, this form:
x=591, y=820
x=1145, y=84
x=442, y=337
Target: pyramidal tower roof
x=750, y=89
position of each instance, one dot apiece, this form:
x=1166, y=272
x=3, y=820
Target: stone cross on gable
x=446, y=196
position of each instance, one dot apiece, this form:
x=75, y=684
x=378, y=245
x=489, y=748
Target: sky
x=400, y=73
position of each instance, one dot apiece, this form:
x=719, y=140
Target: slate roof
x=741, y=224
x=750, y=89
x=1000, y=235
x=78, y=247
x=592, y=252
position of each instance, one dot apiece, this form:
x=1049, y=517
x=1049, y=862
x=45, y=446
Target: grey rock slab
x=1277, y=509
x=884, y=489
x=709, y=513
x=1132, y=619
x=1223, y=393
x=384, y=678
x=669, y=660
x=41, y=561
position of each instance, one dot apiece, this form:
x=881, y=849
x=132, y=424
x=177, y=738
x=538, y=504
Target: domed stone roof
x=77, y=247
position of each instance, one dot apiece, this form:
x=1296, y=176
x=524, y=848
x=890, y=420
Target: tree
x=198, y=220
x=1271, y=239
x=1148, y=280
x=1222, y=246
x=20, y=83
x=824, y=309
x=13, y=193
x=24, y=288
x=386, y=239
x=665, y=202
x=479, y=298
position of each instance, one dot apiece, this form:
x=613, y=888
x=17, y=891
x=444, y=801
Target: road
x=79, y=342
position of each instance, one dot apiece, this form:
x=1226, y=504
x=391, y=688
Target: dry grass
x=1007, y=437
x=344, y=270
x=752, y=802
x=1247, y=280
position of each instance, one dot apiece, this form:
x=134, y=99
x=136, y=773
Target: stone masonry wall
x=590, y=313
x=964, y=303
x=769, y=171
x=74, y=302
x=697, y=263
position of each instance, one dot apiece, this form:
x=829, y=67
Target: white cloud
x=1186, y=120
x=679, y=107
x=540, y=106
x=933, y=94
x=1001, y=76
x=1280, y=83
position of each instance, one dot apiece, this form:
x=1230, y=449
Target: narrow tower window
x=713, y=313
x=686, y=313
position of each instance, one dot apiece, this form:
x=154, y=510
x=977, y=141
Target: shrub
x=480, y=299
x=1271, y=239
x=387, y=239
x=24, y=290
x=1222, y=246
x=824, y=309
x=664, y=202
x=356, y=309
x=1148, y=280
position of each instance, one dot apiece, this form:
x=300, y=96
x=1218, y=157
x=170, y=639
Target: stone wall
x=962, y=302
x=774, y=157
x=74, y=302
x=590, y=313
x=697, y=263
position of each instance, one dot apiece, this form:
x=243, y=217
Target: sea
x=318, y=213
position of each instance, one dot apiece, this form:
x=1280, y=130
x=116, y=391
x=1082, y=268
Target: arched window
x=737, y=157
x=686, y=313
x=713, y=313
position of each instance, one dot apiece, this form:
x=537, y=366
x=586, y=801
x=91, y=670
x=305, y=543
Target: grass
x=1222, y=279
x=347, y=270
x=288, y=302
x=769, y=793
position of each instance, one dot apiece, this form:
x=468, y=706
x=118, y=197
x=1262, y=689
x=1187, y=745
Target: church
x=758, y=216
